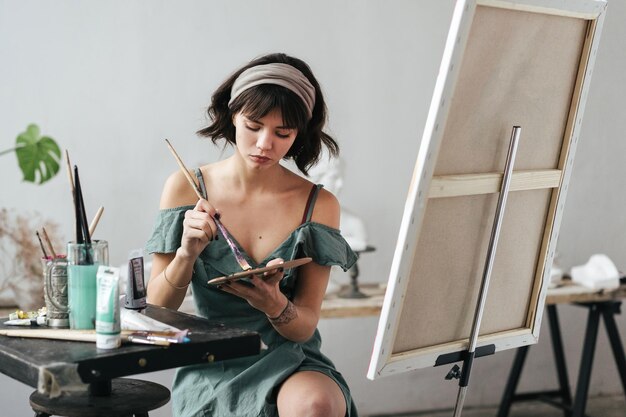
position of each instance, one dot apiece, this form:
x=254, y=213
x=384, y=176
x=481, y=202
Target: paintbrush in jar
x=47, y=239
x=81, y=208
x=82, y=231
x=45, y=255
x=94, y=222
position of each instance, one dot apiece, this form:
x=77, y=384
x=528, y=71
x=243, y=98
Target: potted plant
x=21, y=281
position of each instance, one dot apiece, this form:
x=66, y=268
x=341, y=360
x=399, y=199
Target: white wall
x=110, y=80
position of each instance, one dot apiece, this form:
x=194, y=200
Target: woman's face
x=263, y=143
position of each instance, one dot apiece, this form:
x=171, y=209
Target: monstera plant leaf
x=37, y=154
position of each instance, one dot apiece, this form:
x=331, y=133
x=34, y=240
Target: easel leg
x=511, y=384
x=586, y=362
x=559, y=359
x=609, y=312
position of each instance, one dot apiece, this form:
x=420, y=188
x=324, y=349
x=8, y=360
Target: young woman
x=269, y=110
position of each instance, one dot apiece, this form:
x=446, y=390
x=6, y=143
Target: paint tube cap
x=108, y=341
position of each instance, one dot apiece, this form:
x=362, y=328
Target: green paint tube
x=108, y=308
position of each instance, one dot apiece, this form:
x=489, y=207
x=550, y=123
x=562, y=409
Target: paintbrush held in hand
x=241, y=260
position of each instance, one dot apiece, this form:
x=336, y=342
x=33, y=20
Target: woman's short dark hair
x=258, y=101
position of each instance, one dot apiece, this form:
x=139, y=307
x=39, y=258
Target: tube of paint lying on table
x=135, y=285
x=136, y=321
x=26, y=322
x=108, y=326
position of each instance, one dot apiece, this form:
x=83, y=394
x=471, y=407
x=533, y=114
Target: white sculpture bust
x=330, y=173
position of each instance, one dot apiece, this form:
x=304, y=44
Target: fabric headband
x=280, y=74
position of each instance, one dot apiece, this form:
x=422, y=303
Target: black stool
x=120, y=397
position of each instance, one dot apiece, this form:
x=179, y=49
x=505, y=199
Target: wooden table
x=567, y=293
x=603, y=304
x=570, y=293
x=63, y=364
x=334, y=306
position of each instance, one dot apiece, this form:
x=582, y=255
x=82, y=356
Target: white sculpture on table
x=598, y=273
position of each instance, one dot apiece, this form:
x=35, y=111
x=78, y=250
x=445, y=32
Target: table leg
x=586, y=362
x=100, y=388
x=559, y=359
x=511, y=384
x=616, y=344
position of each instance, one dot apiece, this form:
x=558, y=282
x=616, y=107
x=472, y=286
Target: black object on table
x=27, y=360
x=575, y=408
x=353, y=290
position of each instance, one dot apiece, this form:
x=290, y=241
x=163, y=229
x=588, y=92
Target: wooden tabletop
x=337, y=307
x=568, y=292
x=334, y=306
x=28, y=360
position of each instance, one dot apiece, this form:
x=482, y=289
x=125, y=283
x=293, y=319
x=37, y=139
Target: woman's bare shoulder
x=177, y=191
x=327, y=209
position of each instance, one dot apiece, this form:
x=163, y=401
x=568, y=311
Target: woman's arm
x=299, y=319
x=171, y=272
x=170, y=293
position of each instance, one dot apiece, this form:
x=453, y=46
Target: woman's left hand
x=262, y=291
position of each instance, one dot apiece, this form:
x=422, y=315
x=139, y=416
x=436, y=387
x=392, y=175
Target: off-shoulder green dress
x=248, y=386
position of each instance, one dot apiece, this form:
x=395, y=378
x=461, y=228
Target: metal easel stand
x=471, y=353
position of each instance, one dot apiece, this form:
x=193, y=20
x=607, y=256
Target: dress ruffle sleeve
x=168, y=230
x=324, y=244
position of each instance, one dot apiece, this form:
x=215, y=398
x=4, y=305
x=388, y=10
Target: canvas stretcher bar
x=505, y=63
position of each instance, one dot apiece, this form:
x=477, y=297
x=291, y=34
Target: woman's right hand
x=199, y=230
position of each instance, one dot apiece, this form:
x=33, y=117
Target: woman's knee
x=314, y=405
x=310, y=394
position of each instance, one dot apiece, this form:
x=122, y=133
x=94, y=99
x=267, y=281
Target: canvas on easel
x=506, y=63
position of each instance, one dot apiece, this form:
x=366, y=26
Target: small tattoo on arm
x=289, y=313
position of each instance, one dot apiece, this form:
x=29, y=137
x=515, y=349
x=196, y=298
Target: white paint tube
x=108, y=308
x=134, y=320
x=21, y=322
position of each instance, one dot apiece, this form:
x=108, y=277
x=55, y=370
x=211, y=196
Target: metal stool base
x=129, y=397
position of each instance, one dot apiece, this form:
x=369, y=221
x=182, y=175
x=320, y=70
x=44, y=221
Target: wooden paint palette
x=257, y=271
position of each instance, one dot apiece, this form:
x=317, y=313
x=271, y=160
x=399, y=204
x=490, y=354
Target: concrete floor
x=606, y=406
